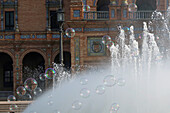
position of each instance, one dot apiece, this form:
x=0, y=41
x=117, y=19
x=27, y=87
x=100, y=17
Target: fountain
x=137, y=81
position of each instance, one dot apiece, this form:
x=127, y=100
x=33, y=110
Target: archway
x=6, y=72
x=149, y=5
x=102, y=5
x=33, y=66
x=67, y=59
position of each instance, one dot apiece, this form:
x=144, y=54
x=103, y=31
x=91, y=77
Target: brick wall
x=32, y=15
x=67, y=9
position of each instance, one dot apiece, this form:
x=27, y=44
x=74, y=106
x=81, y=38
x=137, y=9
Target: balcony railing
x=96, y=15
x=104, y=15
x=144, y=15
x=21, y=106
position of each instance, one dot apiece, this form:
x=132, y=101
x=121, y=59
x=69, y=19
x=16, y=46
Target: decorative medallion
x=96, y=47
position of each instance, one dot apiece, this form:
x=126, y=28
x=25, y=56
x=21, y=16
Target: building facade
x=29, y=33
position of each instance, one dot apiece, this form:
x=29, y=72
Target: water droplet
x=76, y=105
x=83, y=81
x=109, y=81
x=86, y=8
x=121, y=82
x=13, y=107
x=70, y=32
x=21, y=91
x=11, y=98
x=114, y=107
x=27, y=97
x=85, y=93
x=42, y=76
x=56, y=111
x=132, y=7
x=37, y=91
x=100, y=89
x=106, y=38
x=30, y=84
x=109, y=44
x=49, y=73
x=50, y=102
x=32, y=112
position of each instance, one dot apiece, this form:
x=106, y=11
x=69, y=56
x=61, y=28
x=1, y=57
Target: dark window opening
x=53, y=20
x=103, y=8
x=149, y=5
x=102, y=5
x=9, y=20
x=33, y=66
x=6, y=71
x=66, y=60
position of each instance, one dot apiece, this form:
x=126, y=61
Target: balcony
x=104, y=15
x=96, y=15
x=145, y=15
x=21, y=106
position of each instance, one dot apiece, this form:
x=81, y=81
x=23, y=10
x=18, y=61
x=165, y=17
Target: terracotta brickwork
x=32, y=15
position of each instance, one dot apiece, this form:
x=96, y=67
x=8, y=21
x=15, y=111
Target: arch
x=102, y=5
x=33, y=50
x=149, y=5
x=9, y=53
x=57, y=52
x=33, y=58
x=67, y=58
x=6, y=71
x=33, y=66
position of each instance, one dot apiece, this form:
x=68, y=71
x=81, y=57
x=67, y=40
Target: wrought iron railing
x=96, y=15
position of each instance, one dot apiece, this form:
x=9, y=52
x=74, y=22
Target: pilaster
x=76, y=10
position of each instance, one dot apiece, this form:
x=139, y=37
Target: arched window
x=102, y=5
x=149, y=5
x=6, y=72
